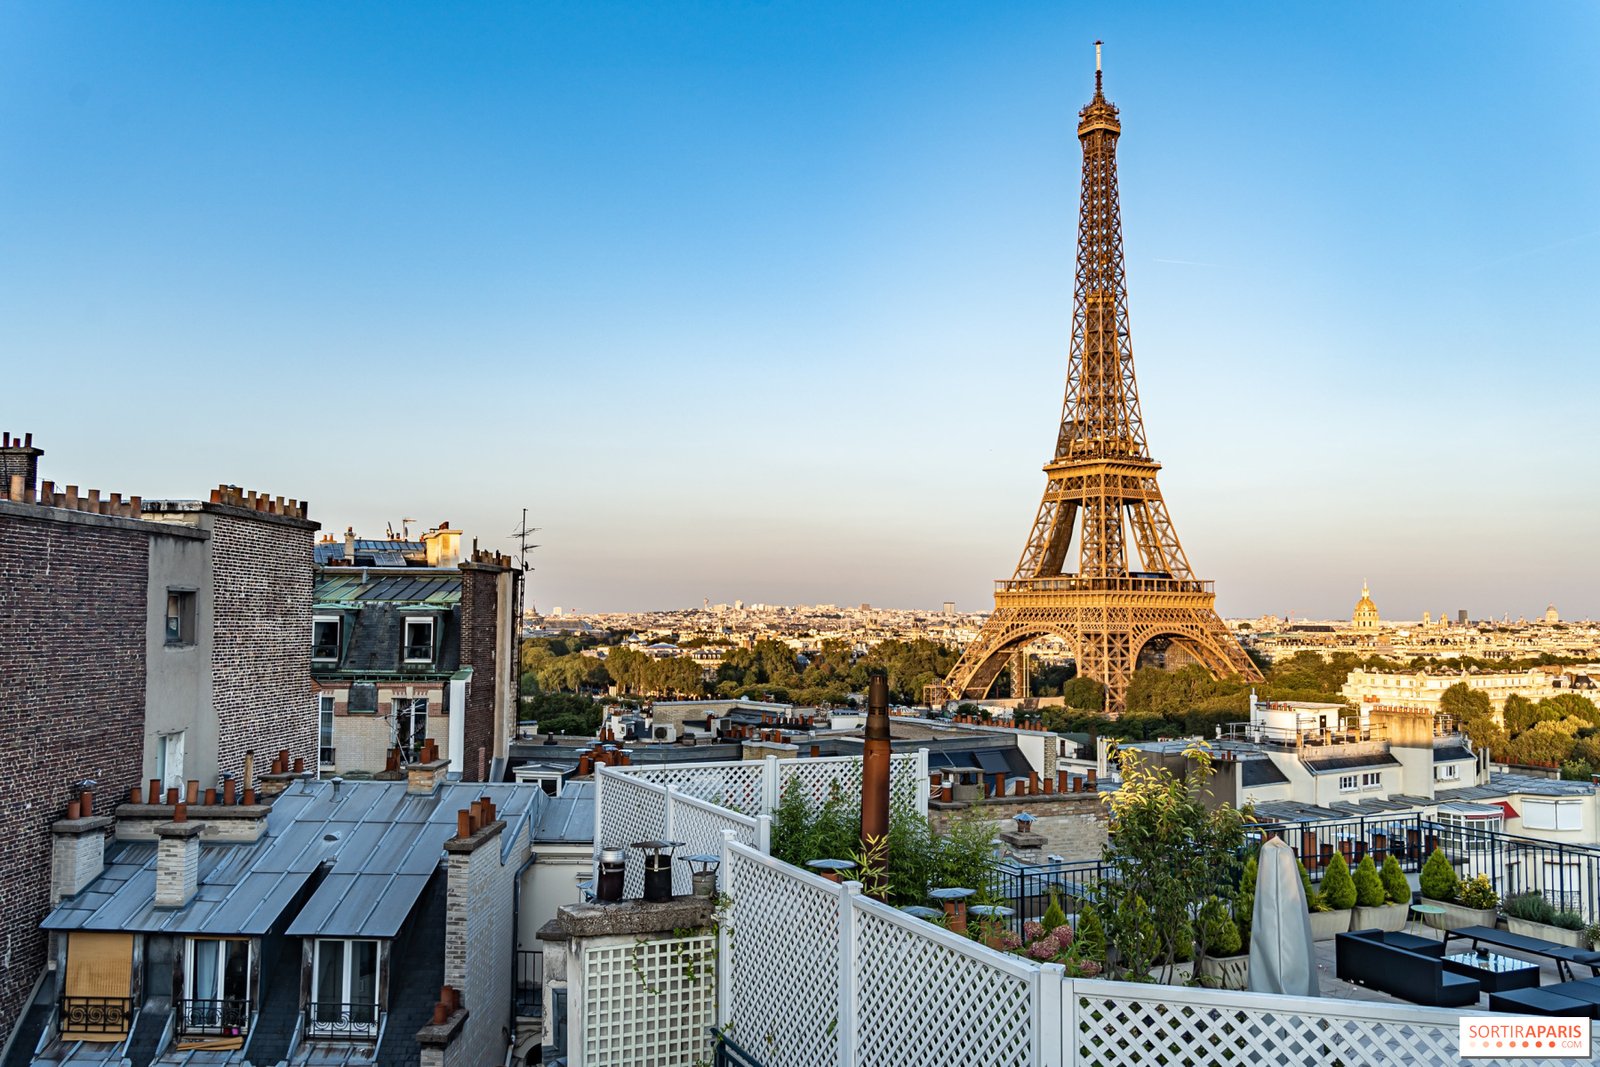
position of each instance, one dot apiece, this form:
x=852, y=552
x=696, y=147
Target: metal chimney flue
x=875, y=785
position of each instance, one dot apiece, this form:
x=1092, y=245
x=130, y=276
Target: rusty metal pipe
x=875, y=778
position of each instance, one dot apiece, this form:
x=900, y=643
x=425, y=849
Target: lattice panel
x=739, y=786
x=630, y=810
x=699, y=826
x=649, y=1003
x=1148, y=1030
x=818, y=777
x=783, y=949
x=921, y=1001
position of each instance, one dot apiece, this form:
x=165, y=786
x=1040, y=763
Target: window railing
x=419, y=653
x=333, y=1020
x=325, y=756
x=96, y=1015
x=527, y=983
x=226, y=1018
x=325, y=651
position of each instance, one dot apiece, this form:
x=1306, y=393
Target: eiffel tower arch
x=1100, y=492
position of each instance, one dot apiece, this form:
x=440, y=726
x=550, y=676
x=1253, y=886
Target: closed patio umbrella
x=1282, y=959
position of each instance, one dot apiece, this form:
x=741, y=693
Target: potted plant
x=1532, y=915
x=1469, y=903
x=1244, y=899
x=1223, y=962
x=1330, y=908
x=1374, y=910
x=1089, y=937
x=1395, y=886
x=1134, y=938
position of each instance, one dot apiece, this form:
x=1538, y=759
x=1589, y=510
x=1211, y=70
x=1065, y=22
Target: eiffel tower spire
x=1101, y=485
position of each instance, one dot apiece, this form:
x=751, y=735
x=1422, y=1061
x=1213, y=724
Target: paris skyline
x=774, y=304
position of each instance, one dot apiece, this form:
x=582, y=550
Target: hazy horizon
x=771, y=302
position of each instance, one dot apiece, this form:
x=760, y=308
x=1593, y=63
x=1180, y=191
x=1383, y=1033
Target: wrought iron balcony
x=96, y=1015
x=225, y=1018
x=529, y=982
x=332, y=1020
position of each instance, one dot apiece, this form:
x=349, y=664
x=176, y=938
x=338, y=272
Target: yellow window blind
x=99, y=966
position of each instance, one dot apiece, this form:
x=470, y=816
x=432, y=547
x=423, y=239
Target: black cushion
x=1591, y=959
x=1538, y=1002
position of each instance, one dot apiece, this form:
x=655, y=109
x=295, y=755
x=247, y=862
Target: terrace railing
x=1567, y=875
x=110, y=1016
x=332, y=1020
x=227, y=1018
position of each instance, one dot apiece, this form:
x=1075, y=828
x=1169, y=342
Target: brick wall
x=479, y=596
x=261, y=646
x=72, y=641
x=480, y=936
x=1073, y=825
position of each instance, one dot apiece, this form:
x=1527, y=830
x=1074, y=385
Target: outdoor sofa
x=1404, y=966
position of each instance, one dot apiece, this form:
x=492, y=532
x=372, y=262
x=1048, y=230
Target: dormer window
x=325, y=634
x=419, y=641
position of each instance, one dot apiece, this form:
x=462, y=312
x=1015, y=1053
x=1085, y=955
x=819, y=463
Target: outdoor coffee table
x=1496, y=973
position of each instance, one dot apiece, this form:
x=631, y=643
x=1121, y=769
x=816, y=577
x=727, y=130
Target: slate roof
x=1260, y=772
x=1335, y=764
x=1452, y=753
x=1505, y=784
x=567, y=819
x=377, y=844
x=380, y=553
x=438, y=587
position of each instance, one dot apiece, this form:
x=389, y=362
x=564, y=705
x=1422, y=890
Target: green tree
x=563, y=713
x=1218, y=929
x=1170, y=849
x=1368, y=886
x=1337, y=887
x=1089, y=938
x=1395, y=886
x=1438, y=879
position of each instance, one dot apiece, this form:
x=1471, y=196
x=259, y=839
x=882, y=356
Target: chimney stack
x=18, y=458
x=349, y=544
x=177, y=861
x=875, y=780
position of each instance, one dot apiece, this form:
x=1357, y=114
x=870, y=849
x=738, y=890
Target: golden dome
x=1366, y=614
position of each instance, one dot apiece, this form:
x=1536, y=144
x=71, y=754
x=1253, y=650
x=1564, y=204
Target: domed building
x=1365, y=617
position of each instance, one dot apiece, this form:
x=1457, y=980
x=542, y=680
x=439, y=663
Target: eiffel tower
x=1103, y=481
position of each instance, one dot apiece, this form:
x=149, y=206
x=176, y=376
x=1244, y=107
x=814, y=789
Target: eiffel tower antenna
x=1101, y=484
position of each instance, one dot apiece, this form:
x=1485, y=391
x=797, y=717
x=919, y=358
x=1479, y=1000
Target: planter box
x=1455, y=916
x=1228, y=972
x=1391, y=917
x=1182, y=971
x=1557, y=934
x=1325, y=924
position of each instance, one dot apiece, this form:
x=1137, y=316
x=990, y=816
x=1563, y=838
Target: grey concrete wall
x=178, y=678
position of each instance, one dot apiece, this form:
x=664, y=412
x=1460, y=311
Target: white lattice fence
x=780, y=962
x=1142, y=1026
x=926, y=996
x=699, y=826
x=643, y=1005
x=738, y=784
x=818, y=778
x=628, y=809
x=753, y=787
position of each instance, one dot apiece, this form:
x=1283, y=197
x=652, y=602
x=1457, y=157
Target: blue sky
x=771, y=300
